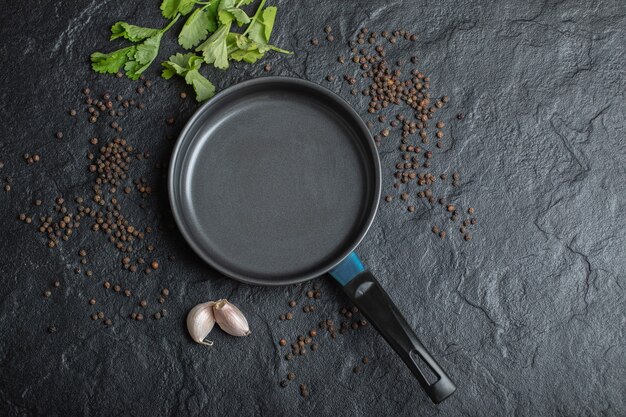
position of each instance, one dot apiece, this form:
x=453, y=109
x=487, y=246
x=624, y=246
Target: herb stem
x=166, y=28
x=254, y=18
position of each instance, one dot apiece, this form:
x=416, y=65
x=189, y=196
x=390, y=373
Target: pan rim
x=347, y=112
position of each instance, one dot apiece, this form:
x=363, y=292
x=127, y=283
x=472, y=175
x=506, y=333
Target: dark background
x=528, y=318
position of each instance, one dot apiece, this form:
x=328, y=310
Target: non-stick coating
x=274, y=181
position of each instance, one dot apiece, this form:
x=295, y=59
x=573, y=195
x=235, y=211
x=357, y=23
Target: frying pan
x=276, y=181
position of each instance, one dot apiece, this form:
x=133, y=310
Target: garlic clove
x=230, y=318
x=200, y=322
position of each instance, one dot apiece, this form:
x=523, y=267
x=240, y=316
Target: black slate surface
x=528, y=317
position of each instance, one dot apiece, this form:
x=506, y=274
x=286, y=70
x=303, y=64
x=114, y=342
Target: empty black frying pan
x=275, y=181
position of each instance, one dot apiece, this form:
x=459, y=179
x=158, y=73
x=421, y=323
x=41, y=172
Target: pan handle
x=374, y=303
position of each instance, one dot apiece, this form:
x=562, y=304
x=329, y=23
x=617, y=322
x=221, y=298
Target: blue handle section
x=347, y=269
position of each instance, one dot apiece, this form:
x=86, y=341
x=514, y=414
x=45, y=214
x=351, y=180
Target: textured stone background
x=528, y=318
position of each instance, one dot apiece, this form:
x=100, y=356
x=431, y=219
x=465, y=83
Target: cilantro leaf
x=253, y=47
x=170, y=8
x=214, y=49
x=195, y=30
x=133, y=69
x=227, y=12
x=112, y=62
x=188, y=66
x=204, y=88
x=131, y=32
x=226, y=4
x=177, y=64
x=212, y=12
x=242, y=48
x=148, y=50
x=244, y=2
x=143, y=56
x=226, y=16
x=250, y=57
x=261, y=27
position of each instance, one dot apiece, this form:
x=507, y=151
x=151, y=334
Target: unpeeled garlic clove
x=200, y=322
x=230, y=318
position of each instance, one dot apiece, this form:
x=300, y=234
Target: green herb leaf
x=226, y=16
x=143, y=56
x=214, y=49
x=204, y=88
x=226, y=4
x=250, y=57
x=170, y=8
x=212, y=12
x=177, y=64
x=131, y=32
x=244, y=2
x=148, y=50
x=112, y=62
x=242, y=48
x=188, y=66
x=227, y=12
x=133, y=69
x=261, y=27
x=195, y=30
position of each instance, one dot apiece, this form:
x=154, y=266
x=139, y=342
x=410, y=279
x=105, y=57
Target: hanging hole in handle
x=429, y=374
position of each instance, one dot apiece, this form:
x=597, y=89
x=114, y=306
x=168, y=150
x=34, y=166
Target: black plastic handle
x=374, y=303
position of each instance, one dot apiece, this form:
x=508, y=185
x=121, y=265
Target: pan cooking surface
x=274, y=181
